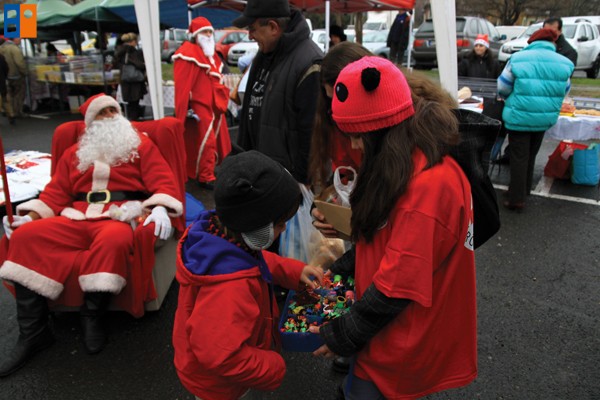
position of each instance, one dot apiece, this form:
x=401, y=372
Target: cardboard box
x=338, y=216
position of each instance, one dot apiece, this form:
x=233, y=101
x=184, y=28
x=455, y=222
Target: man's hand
x=162, y=221
x=311, y=271
x=18, y=220
x=323, y=350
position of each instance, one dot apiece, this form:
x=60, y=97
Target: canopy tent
x=443, y=11
x=174, y=13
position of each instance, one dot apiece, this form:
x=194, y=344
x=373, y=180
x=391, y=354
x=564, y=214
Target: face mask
x=207, y=43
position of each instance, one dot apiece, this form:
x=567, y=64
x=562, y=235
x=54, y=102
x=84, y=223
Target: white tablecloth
x=575, y=128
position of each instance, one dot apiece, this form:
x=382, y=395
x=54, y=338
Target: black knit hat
x=252, y=191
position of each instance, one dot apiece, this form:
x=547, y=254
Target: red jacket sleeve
x=219, y=336
x=286, y=271
x=184, y=74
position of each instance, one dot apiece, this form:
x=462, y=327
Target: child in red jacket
x=225, y=334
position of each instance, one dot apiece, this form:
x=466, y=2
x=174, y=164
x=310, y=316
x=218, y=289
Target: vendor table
x=575, y=128
x=28, y=172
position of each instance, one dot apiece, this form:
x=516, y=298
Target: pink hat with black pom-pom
x=371, y=94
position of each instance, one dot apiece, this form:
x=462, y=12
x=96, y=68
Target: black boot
x=93, y=309
x=341, y=364
x=34, y=333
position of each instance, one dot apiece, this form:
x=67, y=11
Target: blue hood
x=203, y=253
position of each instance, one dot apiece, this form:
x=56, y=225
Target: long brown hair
x=387, y=165
x=319, y=167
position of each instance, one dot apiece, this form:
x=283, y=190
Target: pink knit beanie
x=371, y=94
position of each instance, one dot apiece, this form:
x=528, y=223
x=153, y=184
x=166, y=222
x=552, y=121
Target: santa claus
x=112, y=178
x=201, y=102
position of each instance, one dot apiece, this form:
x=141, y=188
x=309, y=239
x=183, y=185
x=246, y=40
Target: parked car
x=319, y=36
x=239, y=49
x=385, y=51
x=582, y=34
x=374, y=40
x=226, y=38
x=88, y=42
x=171, y=39
x=510, y=32
x=467, y=29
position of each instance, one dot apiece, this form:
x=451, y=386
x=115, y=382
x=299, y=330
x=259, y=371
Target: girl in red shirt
x=412, y=330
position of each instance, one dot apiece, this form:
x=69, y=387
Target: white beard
x=207, y=43
x=112, y=140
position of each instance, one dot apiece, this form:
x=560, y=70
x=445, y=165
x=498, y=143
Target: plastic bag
x=294, y=241
x=560, y=160
x=344, y=190
x=586, y=166
x=324, y=251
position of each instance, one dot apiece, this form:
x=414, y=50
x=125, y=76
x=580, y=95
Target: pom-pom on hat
x=253, y=191
x=482, y=40
x=547, y=34
x=371, y=94
x=198, y=25
x=95, y=104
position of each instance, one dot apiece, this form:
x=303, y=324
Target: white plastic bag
x=294, y=241
x=342, y=190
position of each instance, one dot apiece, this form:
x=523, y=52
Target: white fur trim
x=99, y=182
x=482, y=42
x=205, y=28
x=191, y=59
x=31, y=279
x=102, y=282
x=71, y=213
x=36, y=205
x=97, y=105
x=174, y=206
x=203, y=144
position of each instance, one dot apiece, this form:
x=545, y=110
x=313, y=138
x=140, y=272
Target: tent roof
x=349, y=6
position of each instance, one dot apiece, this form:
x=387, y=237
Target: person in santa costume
x=81, y=225
x=201, y=102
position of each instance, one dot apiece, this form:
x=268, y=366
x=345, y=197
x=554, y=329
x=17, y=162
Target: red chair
x=151, y=273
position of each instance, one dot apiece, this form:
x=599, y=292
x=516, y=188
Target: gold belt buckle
x=106, y=198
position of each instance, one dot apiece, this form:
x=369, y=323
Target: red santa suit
x=76, y=241
x=199, y=87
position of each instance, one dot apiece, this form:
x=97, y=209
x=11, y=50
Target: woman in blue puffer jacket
x=534, y=84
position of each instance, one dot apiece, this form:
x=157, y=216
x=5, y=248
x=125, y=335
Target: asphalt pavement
x=538, y=306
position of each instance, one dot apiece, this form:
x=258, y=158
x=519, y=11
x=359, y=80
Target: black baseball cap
x=262, y=9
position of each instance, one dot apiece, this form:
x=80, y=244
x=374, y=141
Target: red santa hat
x=482, y=40
x=198, y=25
x=95, y=104
x=371, y=94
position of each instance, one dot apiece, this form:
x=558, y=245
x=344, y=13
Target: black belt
x=106, y=196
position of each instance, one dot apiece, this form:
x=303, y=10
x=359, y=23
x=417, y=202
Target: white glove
x=161, y=220
x=18, y=220
x=127, y=212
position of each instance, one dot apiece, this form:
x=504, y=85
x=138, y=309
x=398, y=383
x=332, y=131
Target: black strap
x=101, y=196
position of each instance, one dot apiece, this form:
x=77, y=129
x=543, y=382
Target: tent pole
x=99, y=37
x=327, y=24
x=410, y=42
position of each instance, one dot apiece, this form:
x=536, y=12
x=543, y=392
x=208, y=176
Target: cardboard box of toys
x=313, y=307
x=329, y=205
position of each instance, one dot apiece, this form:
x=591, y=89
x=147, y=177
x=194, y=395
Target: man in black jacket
x=562, y=46
x=283, y=84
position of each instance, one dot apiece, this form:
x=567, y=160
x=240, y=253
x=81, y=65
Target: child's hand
x=323, y=350
x=311, y=271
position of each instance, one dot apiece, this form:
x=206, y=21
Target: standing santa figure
x=201, y=102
